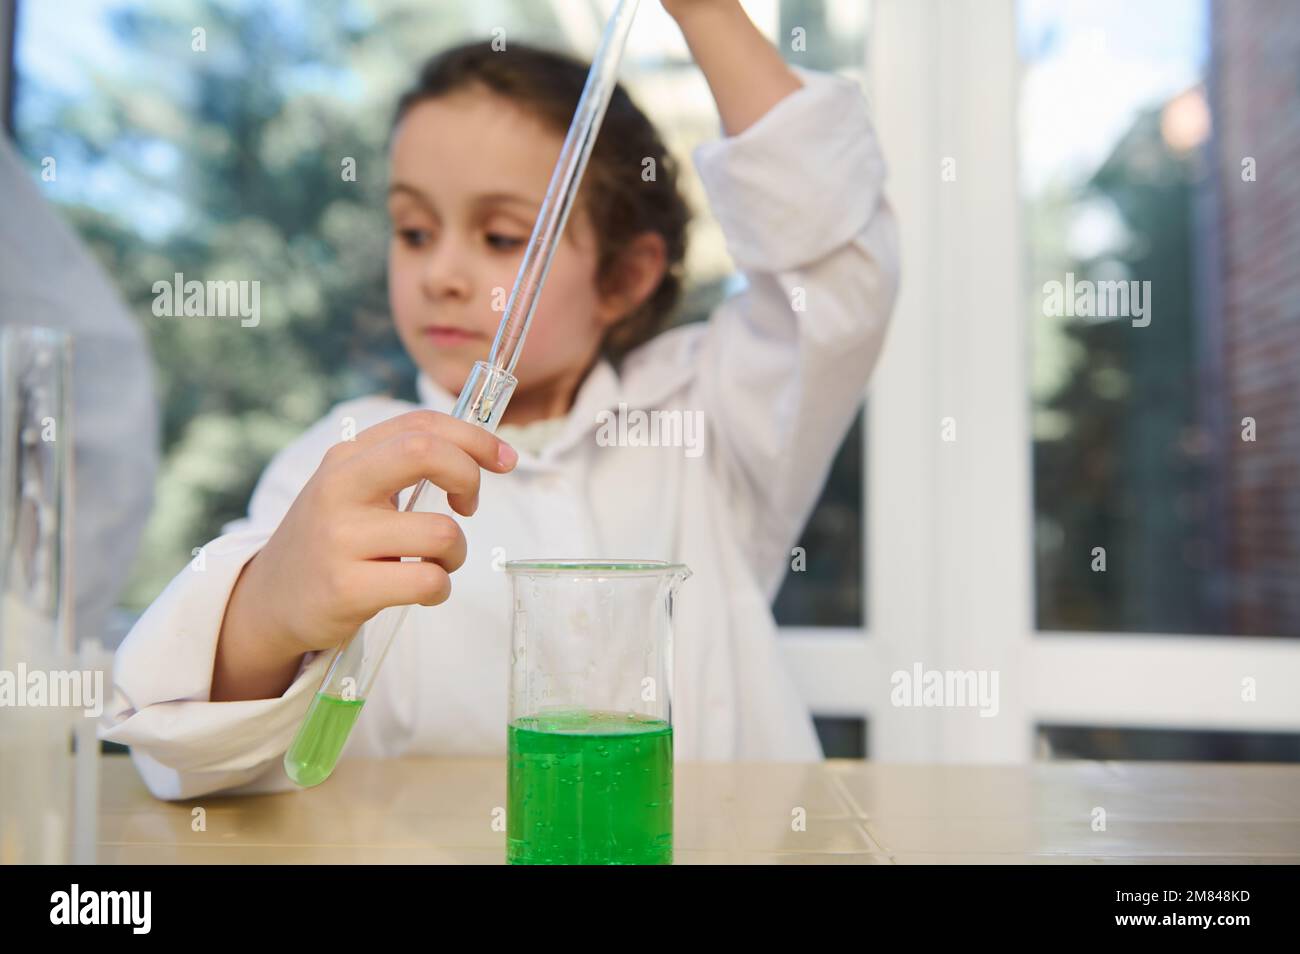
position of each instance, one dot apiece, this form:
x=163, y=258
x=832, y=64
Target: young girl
x=212, y=683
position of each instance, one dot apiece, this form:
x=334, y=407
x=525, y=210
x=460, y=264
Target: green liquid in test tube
x=320, y=741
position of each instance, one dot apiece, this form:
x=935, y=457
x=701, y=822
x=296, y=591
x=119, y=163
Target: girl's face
x=468, y=173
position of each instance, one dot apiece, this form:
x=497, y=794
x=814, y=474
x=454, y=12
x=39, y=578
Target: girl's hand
x=333, y=561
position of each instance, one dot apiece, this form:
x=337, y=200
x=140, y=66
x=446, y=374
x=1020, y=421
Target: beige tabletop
x=836, y=812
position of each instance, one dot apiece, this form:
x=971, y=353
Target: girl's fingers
x=399, y=583
x=375, y=474
x=384, y=534
x=483, y=446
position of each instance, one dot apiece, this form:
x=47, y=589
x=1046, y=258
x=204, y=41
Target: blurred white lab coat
x=778, y=372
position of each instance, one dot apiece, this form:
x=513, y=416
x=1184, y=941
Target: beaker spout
x=675, y=575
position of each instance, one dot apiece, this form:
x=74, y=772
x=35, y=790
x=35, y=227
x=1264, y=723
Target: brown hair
x=549, y=85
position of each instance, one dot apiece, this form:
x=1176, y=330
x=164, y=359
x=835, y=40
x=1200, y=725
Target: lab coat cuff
x=801, y=181
x=163, y=675
x=237, y=740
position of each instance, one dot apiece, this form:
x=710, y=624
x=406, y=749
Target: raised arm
x=797, y=187
x=745, y=72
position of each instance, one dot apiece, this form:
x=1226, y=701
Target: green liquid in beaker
x=590, y=788
x=316, y=749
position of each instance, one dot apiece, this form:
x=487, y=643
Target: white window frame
x=948, y=525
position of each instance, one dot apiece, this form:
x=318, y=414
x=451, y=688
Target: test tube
x=319, y=742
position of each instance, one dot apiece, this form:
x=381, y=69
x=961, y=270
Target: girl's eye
x=413, y=238
x=503, y=243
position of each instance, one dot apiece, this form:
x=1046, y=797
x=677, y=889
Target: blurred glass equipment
x=35, y=625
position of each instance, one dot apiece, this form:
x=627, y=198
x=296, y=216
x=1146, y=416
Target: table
x=432, y=810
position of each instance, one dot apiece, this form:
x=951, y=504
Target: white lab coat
x=798, y=195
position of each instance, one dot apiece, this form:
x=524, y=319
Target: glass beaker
x=36, y=642
x=590, y=736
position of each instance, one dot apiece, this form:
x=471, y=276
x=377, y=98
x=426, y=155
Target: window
x=1158, y=144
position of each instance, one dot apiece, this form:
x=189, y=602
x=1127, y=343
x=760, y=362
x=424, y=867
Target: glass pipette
x=338, y=701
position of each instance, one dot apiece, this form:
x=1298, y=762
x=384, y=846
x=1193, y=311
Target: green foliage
x=1123, y=474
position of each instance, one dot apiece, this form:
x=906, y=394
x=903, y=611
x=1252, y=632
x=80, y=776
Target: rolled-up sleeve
x=160, y=705
x=783, y=365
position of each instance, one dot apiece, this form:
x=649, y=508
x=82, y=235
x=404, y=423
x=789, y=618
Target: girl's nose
x=446, y=270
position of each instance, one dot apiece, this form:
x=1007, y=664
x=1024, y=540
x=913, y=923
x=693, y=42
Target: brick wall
x=1255, y=93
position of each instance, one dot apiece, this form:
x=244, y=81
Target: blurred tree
x=1124, y=474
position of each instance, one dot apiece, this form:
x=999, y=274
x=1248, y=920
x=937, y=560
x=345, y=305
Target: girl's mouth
x=449, y=336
